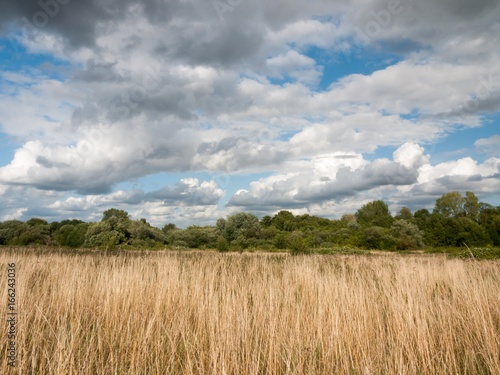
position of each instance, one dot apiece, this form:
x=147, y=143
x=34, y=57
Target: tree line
x=455, y=220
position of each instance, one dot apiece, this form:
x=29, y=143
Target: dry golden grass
x=210, y=313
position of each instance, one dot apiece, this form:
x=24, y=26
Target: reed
x=211, y=313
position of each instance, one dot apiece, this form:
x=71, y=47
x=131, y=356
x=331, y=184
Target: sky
x=185, y=111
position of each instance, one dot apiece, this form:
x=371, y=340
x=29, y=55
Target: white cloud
x=409, y=175
x=489, y=145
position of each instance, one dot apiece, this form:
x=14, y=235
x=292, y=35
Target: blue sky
x=197, y=113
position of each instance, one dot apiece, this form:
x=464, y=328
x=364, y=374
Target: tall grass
x=210, y=313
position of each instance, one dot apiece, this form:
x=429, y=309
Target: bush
x=179, y=244
x=296, y=243
x=408, y=235
x=377, y=238
x=479, y=253
x=340, y=250
x=222, y=244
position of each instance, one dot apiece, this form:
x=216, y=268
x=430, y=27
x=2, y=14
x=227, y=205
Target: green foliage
x=450, y=205
x=168, y=227
x=10, y=230
x=455, y=220
x=106, y=234
x=404, y=214
x=71, y=235
x=469, y=231
x=266, y=221
x=222, y=244
x=296, y=243
x=376, y=214
x=377, y=238
x=180, y=245
x=280, y=241
x=142, y=230
x=195, y=237
x=408, y=235
x=119, y=215
x=344, y=250
x=471, y=205
x=240, y=224
x=284, y=220
x=17, y=233
x=477, y=253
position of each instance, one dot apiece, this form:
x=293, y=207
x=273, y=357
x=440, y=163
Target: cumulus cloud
x=489, y=145
x=333, y=178
x=409, y=175
x=171, y=203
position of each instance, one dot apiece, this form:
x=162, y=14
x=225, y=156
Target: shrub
x=478, y=253
x=222, y=244
x=296, y=243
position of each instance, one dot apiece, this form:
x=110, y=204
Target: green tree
x=222, y=244
x=377, y=238
x=106, y=234
x=144, y=234
x=10, y=231
x=404, y=214
x=284, y=220
x=71, y=235
x=375, y=213
x=408, y=235
x=168, y=227
x=266, y=221
x=422, y=218
x=468, y=231
x=119, y=215
x=295, y=241
x=239, y=224
x=450, y=205
x=471, y=205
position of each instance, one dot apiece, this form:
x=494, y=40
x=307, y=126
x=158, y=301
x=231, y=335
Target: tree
x=107, y=234
x=71, y=235
x=347, y=218
x=471, y=205
x=377, y=238
x=142, y=230
x=468, y=231
x=222, y=244
x=404, y=214
x=120, y=215
x=296, y=242
x=375, y=213
x=266, y=221
x=450, y=205
x=168, y=227
x=284, y=220
x=239, y=224
x=9, y=231
x=408, y=235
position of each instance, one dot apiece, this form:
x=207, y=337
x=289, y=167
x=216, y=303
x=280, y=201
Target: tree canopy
x=455, y=220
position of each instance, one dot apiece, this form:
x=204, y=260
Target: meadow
x=203, y=312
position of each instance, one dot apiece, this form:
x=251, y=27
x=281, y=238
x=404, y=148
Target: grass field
x=211, y=313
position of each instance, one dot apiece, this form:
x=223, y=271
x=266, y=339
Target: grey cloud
x=224, y=144
x=348, y=182
x=76, y=21
x=99, y=72
x=43, y=161
x=183, y=192
x=198, y=36
x=227, y=47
